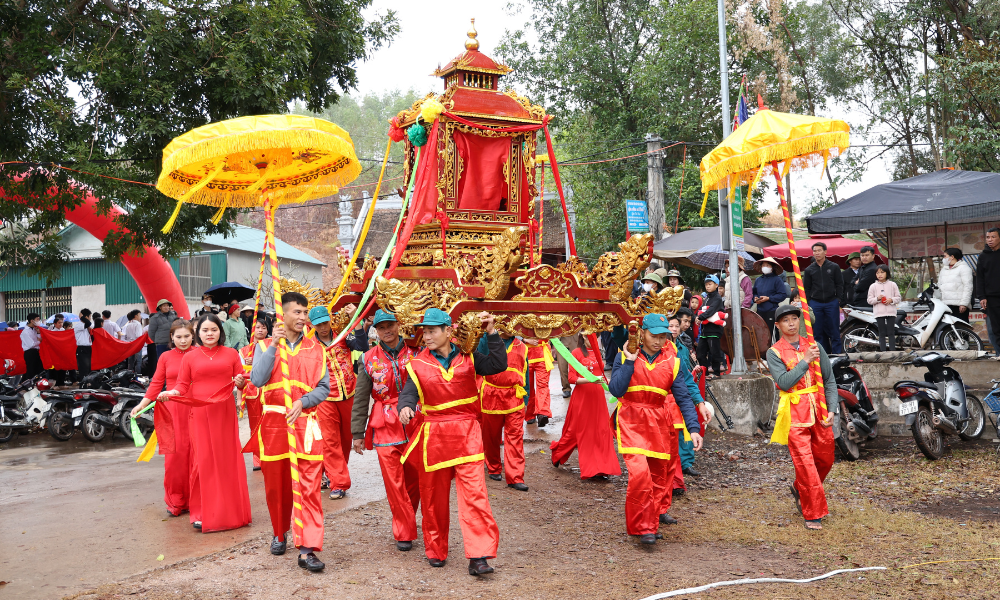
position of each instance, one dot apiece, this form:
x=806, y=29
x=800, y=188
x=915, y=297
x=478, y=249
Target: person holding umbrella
x=768, y=290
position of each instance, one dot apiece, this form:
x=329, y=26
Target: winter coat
x=866, y=277
x=988, y=274
x=772, y=286
x=159, y=327
x=955, y=285
x=888, y=289
x=823, y=284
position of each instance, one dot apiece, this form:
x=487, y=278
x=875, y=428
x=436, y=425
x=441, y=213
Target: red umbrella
x=837, y=249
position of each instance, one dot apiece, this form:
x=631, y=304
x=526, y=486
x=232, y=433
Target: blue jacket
x=772, y=286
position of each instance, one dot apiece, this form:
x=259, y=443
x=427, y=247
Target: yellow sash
x=783, y=422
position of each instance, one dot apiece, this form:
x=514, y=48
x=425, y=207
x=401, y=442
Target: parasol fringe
x=243, y=200
x=704, y=204
x=715, y=178
x=218, y=214
x=177, y=212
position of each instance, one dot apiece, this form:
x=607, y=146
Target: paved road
x=77, y=514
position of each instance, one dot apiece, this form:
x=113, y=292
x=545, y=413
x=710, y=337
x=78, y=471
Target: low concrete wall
x=752, y=398
x=882, y=376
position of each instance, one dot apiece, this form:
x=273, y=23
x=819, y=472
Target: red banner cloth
x=58, y=350
x=109, y=351
x=10, y=348
x=482, y=185
x=423, y=202
x=164, y=423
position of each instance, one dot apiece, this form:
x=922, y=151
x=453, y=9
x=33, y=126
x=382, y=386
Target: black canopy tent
x=936, y=198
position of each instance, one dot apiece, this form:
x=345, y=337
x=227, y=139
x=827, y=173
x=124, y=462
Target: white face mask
x=647, y=286
x=207, y=302
x=765, y=270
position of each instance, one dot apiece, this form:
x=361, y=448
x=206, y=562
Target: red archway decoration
x=151, y=271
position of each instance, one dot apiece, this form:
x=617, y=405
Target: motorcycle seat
x=847, y=397
x=900, y=313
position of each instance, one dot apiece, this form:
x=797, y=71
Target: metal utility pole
x=654, y=186
x=739, y=366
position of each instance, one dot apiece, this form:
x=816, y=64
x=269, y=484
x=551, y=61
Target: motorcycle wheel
x=861, y=331
x=61, y=426
x=977, y=420
x=124, y=423
x=928, y=438
x=849, y=449
x=7, y=434
x=961, y=338
x=92, y=428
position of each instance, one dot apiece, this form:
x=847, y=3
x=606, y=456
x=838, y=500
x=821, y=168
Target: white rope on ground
x=709, y=586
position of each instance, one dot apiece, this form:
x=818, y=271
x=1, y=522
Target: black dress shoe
x=566, y=393
x=521, y=487
x=530, y=421
x=667, y=520
x=542, y=420
x=309, y=562
x=479, y=566
x=278, y=546
x=404, y=546
x=692, y=472
x=495, y=476
x=659, y=536
x=196, y=525
x=437, y=562
x=678, y=492
x=647, y=538
x=256, y=468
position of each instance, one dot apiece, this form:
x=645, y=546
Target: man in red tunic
x=250, y=394
x=645, y=430
x=539, y=365
x=803, y=421
x=449, y=444
x=503, y=416
x=310, y=385
x=381, y=378
x=335, y=412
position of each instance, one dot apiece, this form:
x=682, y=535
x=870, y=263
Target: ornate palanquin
x=485, y=254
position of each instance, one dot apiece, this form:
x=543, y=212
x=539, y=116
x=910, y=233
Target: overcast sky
x=428, y=38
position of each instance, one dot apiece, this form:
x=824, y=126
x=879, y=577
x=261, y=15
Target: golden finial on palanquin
x=472, y=43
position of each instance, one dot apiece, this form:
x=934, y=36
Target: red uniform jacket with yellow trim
x=306, y=367
x=644, y=421
x=504, y=393
x=450, y=434
x=540, y=353
x=388, y=378
x=805, y=406
x=250, y=391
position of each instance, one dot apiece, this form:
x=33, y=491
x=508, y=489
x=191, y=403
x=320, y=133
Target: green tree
x=104, y=86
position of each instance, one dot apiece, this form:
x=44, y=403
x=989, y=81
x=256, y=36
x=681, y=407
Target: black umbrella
x=230, y=291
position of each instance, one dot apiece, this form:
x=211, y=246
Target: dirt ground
x=565, y=538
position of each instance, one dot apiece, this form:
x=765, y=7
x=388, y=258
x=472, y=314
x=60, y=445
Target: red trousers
x=647, y=491
x=511, y=427
x=675, y=458
x=402, y=489
x=335, y=422
x=254, y=413
x=673, y=473
x=177, y=465
x=278, y=491
x=540, y=402
x=479, y=530
x=812, y=454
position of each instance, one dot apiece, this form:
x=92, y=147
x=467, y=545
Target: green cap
x=853, y=255
x=162, y=302
x=319, y=314
x=435, y=316
x=656, y=323
x=654, y=278
x=382, y=316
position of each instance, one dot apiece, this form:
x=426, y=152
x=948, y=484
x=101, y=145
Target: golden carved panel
x=545, y=281
x=408, y=299
x=616, y=271
x=497, y=263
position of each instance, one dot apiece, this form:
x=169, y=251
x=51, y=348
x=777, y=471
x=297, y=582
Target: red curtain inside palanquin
x=482, y=185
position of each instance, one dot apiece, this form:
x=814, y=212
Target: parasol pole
x=739, y=365
x=813, y=367
x=269, y=209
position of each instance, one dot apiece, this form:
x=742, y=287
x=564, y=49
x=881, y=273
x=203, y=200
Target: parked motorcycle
x=92, y=413
x=939, y=406
x=936, y=329
x=858, y=418
x=122, y=413
x=30, y=406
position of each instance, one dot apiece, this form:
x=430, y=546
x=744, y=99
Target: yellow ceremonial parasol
x=266, y=161
x=757, y=146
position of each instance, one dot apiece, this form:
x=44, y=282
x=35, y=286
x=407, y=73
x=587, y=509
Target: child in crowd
x=884, y=296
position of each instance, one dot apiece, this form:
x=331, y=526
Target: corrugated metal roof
x=249, y=239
